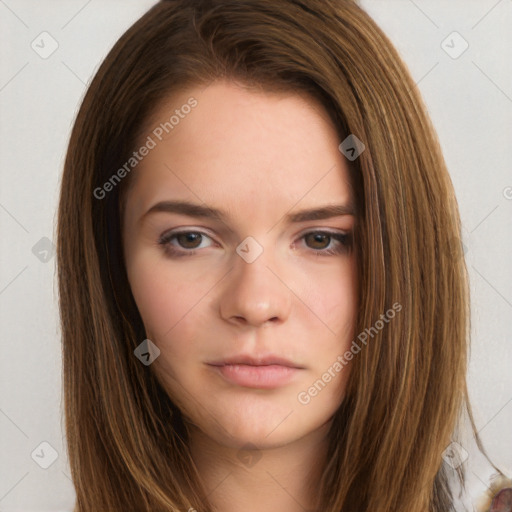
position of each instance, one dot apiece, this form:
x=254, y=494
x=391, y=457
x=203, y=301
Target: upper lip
x=255, y=361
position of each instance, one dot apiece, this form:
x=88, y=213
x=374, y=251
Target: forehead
x=236, y=143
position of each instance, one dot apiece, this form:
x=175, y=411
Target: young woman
x=263, y=295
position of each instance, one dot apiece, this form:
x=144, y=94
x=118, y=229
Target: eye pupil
x=185, y=238
x=319, y=238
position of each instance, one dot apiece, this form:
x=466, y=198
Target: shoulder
x=485, y=490
x=498, y=496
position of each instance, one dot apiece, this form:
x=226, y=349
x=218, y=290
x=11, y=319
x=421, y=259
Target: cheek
x=174, y=309
x=165, y=297
x=333, y=297
x=156, y=299
x=169, y=307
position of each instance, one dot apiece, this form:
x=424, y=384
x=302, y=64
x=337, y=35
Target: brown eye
x=318, y=240
x=184, y=243
x=189, y=240
x=325, y=243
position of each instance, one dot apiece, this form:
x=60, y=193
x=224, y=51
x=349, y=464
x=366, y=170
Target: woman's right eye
x=187, y=241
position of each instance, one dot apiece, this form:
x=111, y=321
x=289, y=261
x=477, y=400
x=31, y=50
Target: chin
x=267, y=433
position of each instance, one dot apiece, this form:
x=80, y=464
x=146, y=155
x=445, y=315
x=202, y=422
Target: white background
x=469, y=99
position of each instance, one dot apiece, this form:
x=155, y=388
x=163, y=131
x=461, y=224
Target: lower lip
x=261, y=377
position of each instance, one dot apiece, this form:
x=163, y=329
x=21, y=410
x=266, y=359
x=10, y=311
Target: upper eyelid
x=180, y=231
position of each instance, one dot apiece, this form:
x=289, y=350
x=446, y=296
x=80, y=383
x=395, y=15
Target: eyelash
x=344, y=240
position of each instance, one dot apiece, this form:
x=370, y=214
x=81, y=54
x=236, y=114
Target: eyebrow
x=208, y=212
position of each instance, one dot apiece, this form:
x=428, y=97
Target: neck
x=271, y=478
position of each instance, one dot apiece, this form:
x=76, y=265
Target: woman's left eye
x=321, y=242
x=343, y=242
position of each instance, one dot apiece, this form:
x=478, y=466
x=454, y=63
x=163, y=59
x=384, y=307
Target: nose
x=255, y=294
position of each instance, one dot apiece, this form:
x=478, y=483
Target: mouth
x=265, y=372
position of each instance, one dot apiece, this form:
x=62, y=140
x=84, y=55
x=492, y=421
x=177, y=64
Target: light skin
x=259, y=157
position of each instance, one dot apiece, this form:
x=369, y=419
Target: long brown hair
x=127, y=441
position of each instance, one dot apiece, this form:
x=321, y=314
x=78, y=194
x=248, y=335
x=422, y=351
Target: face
x=250, y=298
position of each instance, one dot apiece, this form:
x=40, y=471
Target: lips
x=263, y=372
x=267, y=360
